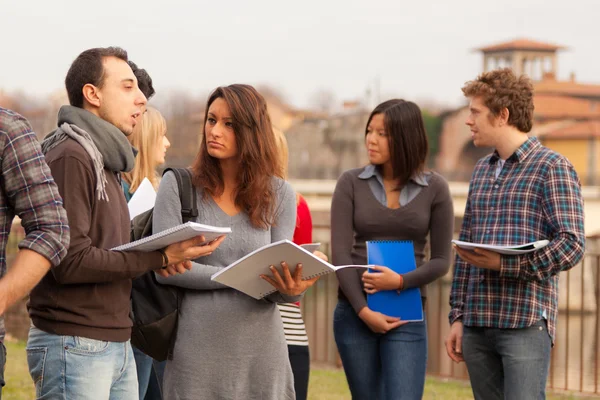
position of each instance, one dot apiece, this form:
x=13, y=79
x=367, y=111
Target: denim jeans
x=508, y=363
x=150, y=373
x=381, y=366
x=73, y=367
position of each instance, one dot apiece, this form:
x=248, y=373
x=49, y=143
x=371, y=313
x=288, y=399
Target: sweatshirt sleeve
x=85, y=263
x=285, y=222
x=342, y=240
x=441, y=228
x=167, y=214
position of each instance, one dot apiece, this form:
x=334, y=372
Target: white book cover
x=142, y=200
x=176, y=234
x=244, y=274
x=508, y=250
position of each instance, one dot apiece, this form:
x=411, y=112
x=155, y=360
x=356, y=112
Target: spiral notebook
x=244, y=274
x=400, y=257
x=176, y=234
x=508, y=250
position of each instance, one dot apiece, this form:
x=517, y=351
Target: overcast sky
x=416, y=49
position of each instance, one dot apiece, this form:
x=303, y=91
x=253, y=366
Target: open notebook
x=244, y=274
x=516, y=249
x=176, y=234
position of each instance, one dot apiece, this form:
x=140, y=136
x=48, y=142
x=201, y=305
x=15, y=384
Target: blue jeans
x=508, y=363
x=73, y=367
x=150, y=374
x=381, y=366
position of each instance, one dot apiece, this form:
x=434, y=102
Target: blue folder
x=399, y=256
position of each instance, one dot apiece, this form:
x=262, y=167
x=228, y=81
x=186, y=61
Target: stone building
x=566, y=117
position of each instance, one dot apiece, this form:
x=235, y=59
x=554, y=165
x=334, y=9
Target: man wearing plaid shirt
x=27, y=190
x=504, y=307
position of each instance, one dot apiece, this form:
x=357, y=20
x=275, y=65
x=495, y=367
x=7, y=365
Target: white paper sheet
x=143, y=199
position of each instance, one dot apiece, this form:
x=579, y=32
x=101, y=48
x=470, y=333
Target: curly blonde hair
x=501, y=89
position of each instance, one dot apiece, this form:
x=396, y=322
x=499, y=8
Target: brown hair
x=257, y=152
x=404, y=125
x=501, y=89
x=88, y=68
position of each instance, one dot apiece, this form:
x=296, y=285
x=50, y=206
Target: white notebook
x=516, y=249
x=310, y=247
x=244, y=274
x=173, y=235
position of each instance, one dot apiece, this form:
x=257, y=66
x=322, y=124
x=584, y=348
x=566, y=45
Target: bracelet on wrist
x=164, y=257
x=401, y=284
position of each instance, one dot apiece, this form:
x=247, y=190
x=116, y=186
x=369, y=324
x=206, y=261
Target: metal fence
x=575, y=362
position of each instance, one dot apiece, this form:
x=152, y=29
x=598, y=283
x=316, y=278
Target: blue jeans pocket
x=36, y=359
x=411, y=332
x=85, y=346
x=341, y=311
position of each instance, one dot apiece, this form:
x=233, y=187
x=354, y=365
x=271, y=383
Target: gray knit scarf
x=106, y=145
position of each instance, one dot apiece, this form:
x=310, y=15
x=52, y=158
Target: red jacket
x=303, y=231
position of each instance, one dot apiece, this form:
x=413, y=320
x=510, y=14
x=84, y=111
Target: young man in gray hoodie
x=79, y=345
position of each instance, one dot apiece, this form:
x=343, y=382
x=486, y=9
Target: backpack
x=155, y=307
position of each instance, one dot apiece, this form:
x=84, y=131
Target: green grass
x=330, y=384
x=19, y=385
x=325, y=383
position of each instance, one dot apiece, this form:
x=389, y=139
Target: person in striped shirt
x=504, y=307
x=291, y=314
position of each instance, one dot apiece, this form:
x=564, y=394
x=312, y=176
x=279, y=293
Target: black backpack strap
x=187, y=193
x=189, y=212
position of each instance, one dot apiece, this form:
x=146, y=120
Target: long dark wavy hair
x=257, y=153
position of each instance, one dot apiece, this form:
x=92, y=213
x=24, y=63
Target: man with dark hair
x=144, y=80
x=27, y=190
x=78, y=346
x=504, y=307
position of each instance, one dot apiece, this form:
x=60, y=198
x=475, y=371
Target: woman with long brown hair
x=229, y=345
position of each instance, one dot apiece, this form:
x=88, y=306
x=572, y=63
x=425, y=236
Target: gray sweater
x=229, y=345
x=357, y=216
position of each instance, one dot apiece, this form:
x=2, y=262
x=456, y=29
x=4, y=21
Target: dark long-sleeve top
x=88, y=293
x=357, y=216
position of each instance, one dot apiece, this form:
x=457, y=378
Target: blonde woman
x=149, y=137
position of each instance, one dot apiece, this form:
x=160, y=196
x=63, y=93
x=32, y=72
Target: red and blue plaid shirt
x=27, y=189
x=536, y=196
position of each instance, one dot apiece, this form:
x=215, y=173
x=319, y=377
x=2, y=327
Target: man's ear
x=503, y=116
x=91, y=94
